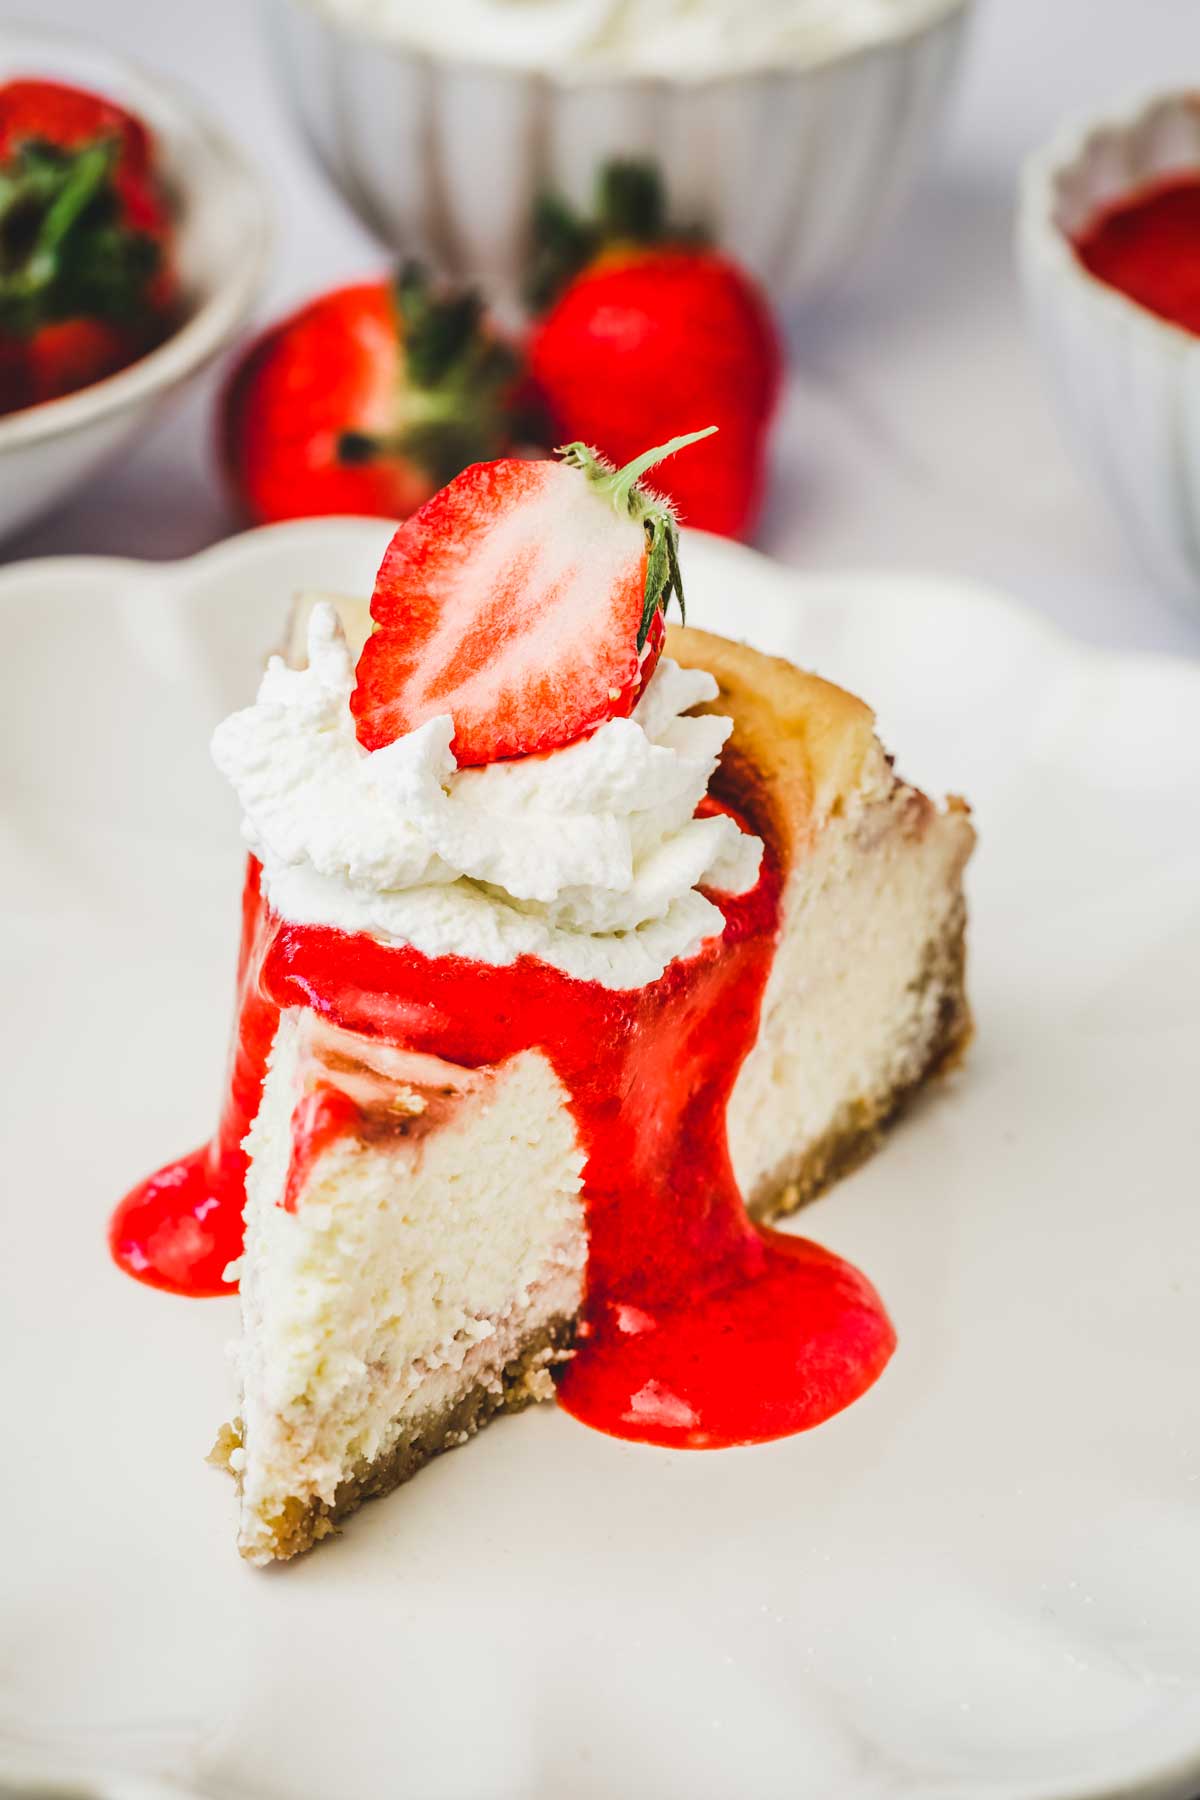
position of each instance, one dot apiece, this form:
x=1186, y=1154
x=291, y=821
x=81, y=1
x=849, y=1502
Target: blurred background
x=915, y=432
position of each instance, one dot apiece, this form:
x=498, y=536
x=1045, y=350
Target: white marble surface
x=917, y=434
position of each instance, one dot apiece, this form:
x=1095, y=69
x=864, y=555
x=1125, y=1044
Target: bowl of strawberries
x=133, y=239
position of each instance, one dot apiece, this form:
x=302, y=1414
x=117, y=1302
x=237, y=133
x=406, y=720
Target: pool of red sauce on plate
x=700, y=1328
x=1148, y=246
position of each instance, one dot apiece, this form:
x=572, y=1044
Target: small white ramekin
x=1127, y=383
x=223, y=233
x=795, y=170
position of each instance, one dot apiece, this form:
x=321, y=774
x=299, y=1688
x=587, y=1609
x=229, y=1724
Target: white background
x=917, y=432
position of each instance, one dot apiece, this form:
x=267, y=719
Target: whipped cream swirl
x=588, y=857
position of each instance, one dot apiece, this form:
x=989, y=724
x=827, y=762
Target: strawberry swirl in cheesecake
x=513, y=924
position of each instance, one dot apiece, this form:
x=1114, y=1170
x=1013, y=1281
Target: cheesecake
x=534, y=1043
x=427, y=1269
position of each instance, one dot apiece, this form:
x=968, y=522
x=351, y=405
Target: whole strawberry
x=367, y=400
x=642, y=327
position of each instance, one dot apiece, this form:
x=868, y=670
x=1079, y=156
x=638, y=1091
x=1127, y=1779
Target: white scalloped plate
x=980, y=1583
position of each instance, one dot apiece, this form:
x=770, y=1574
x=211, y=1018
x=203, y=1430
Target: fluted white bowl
x=796, y=170
x=1127, y=382
x=222, y=234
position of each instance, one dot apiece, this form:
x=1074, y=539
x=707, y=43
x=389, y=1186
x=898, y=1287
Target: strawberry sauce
x=700, y=1329
x=1148, y=246
x=180, y=1228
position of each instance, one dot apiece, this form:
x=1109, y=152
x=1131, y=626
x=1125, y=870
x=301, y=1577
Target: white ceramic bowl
x=1128, y=383
x=794, y=169
x=223, y=233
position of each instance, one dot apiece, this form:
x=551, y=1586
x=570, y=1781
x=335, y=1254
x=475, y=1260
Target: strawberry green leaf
x=630, y=208
x=630, y=203
x=452, y=405
x=64, y=250
x=623, y=488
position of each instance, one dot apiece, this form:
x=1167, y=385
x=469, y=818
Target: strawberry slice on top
x=526, y=600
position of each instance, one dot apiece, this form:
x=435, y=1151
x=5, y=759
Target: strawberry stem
x=622, y=482
x=629, y=500
x=629, y=210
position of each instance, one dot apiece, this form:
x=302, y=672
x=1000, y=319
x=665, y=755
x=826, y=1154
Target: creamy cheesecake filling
x=854, y=1005
x=425, y=1251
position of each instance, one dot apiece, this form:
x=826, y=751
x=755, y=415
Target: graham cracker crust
x=300, y=1523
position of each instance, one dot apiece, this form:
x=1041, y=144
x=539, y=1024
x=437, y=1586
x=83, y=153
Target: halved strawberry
x=526, y=601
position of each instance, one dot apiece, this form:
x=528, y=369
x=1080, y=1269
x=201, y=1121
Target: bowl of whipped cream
x=791, y=130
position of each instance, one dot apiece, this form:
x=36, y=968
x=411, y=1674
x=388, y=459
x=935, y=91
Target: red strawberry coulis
x=700, y=1328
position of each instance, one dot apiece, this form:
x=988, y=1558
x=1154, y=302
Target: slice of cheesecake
x=416, y=1237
